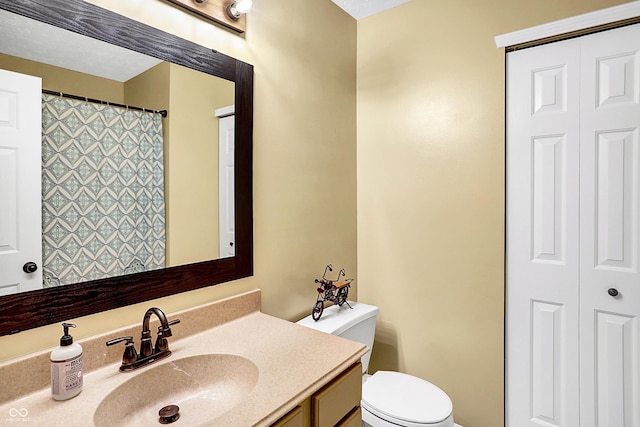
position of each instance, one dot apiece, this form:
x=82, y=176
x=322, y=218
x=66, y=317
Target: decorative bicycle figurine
x=330, y=290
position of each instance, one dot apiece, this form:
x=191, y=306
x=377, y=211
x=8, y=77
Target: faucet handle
x=130, y=354
x=161, y=341
x=166, y=331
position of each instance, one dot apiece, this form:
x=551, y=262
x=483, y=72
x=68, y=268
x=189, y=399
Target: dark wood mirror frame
x=32, y=309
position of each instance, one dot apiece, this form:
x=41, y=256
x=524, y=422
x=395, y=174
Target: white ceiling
x=30, y=39
x=362, y=8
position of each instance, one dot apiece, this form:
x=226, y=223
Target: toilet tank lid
x=337, y=319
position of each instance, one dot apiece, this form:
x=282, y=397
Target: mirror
x=93, y=169
x=37, y=308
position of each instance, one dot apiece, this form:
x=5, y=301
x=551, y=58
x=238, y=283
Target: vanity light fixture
x=229, y=13
x=238, y=8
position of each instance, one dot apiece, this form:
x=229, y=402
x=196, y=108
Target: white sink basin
x=203, y=386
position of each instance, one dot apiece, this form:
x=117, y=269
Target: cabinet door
x=542, y=236
x=610, y=229
x=354, y=419
x=337, y=399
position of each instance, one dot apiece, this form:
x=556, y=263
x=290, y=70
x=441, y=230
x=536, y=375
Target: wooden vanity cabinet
x=336, y=404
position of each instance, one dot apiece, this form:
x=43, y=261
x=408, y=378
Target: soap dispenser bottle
x=66, y=367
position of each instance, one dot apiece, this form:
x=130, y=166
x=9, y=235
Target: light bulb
x=237, y=8
x=244, y=6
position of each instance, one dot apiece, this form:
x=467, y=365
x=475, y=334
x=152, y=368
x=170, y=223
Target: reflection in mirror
x=191, y=187
x=104, y=211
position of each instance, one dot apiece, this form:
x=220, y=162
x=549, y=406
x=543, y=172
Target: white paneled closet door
x=609, y=229
x=542, y=235
x=573, y=190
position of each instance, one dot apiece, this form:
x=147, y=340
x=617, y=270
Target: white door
x=226, y=215
x=573, y=193
x=542, y=236
x=20, y=166
x=609, y=229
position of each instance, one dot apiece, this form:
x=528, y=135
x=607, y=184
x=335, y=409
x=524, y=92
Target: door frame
x=612, y=17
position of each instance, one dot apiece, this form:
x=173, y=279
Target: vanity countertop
x=293, y=362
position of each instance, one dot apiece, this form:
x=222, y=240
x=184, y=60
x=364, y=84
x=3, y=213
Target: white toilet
x=389, y=399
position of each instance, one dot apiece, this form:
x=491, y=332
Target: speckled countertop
x=292, y=361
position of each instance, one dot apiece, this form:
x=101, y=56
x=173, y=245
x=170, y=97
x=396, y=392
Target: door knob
x=613, y=292
x=30, y=267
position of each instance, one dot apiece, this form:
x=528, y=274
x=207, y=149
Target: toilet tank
x=357, y=323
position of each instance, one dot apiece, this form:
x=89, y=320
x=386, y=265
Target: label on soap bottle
x=66, y=376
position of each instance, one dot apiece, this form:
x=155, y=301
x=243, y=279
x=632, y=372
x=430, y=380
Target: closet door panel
x=542, y=236
x=609, y=229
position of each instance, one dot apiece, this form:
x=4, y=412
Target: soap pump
x=66, y=367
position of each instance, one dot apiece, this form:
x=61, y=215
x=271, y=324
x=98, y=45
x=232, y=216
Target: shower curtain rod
x=163, y=113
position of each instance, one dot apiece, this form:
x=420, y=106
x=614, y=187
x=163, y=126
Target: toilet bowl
x=389, y=399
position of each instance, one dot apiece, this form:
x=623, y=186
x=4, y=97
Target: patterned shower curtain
x=102, y=191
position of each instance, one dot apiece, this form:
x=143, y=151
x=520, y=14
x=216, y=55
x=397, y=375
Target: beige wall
x=150, y=90
x=67, y=81
x=192, y=213
x=304, y=155
x=431, y=190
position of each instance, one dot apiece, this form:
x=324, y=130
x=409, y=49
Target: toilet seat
x=406, y=400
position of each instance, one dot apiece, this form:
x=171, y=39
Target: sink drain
x=169, y=414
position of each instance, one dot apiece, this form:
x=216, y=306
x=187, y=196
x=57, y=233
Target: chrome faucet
x=148, y=354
